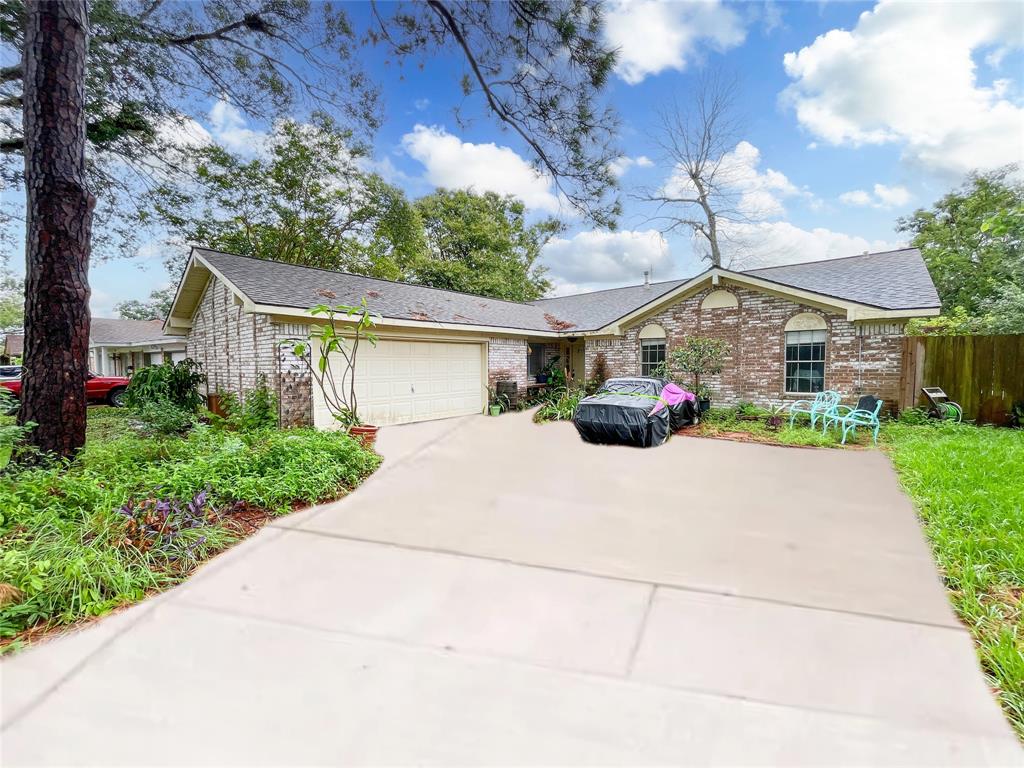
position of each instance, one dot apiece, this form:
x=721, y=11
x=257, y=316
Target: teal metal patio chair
x=865, y=414
x=822, y=403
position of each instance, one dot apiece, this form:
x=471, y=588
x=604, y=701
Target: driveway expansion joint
x=956, y=627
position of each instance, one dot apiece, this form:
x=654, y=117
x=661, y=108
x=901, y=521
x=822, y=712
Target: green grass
x=68, y=551
x=968, y=485
x=723, y=422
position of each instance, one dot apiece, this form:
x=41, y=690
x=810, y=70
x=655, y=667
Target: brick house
x=792, y=330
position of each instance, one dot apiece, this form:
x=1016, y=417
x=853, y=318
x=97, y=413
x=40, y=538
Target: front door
x=577, y=361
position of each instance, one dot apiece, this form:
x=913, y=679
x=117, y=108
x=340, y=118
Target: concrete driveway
x=502, y=593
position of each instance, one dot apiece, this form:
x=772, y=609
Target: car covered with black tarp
x=637, y=410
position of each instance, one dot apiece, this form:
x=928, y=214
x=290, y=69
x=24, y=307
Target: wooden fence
x=984, y=374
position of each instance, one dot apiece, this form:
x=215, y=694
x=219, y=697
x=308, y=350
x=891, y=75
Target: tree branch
x=11, y=73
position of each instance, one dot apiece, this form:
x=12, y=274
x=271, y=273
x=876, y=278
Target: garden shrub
x=256, y=410
x=162, y=417
x=560, y=405
x=175, y=383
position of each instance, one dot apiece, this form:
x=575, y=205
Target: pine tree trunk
x=59, y=226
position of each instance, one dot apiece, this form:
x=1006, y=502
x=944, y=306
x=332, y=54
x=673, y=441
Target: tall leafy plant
x=173, y=383
x=338, y=338
x=698, y=356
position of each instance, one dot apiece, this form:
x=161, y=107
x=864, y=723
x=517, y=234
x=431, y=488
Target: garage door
x=403, y=381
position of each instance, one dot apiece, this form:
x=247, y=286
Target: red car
x=99, y=389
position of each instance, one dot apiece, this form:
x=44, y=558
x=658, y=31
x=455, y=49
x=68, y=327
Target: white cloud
x=891, y=197
x=456, y=164
x=652, y=35
x=229, y=127
x=184, y=132
x=760, y=194
x=599, y=257
x=623, y=163
x=881, y=197
x=856, y=197
x=421, y=104
x=906, y=75
x=768, y=243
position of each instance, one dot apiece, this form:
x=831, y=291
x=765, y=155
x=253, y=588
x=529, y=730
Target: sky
x=852, y=115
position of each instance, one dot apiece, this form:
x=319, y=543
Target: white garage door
x=402, y=381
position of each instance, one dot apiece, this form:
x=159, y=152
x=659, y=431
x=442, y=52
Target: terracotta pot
x=365, y=434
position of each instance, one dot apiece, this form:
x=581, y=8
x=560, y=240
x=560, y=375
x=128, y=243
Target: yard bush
x=256, y=410
x=560, y=405
x=162, y=417
x=72, y=535
x=174, y=383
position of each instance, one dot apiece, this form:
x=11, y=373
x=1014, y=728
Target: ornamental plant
x=340, y=336
x=698, y=356
x=173, y=383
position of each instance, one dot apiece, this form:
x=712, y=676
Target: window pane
x=805, y=361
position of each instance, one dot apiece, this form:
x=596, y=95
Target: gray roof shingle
x=288, y=285
x=890, y=280
x=112, y=330
x=596, y=309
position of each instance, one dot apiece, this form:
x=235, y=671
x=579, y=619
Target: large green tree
x=537, y=67
x=302, y=200
x=973, y=240
x=12, y=302
x=481, y=244
x=155, y=307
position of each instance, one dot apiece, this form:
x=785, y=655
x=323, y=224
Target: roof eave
x=305, y=314
x=854, y=310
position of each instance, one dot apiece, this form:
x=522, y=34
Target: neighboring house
x=792, y=330
x=13, y=348
x=118, y=347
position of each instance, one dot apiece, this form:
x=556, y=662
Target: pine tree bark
x=59, y=226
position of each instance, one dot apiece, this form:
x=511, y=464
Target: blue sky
x=854, y=114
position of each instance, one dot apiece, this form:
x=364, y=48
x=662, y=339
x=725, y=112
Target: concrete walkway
x=501, y=593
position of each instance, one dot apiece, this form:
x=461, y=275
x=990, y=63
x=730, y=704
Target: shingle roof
x=590, y=311
x=288, y=285
x=111, y=330
x=888, y=280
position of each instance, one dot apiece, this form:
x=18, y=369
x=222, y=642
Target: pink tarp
x=672, y=395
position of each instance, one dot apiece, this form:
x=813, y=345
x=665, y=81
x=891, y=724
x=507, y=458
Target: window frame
x=647, y=344
x=816, y=337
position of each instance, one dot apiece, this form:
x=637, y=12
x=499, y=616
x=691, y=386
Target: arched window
x=652, y=349
x=805, y=353
x=720, y=300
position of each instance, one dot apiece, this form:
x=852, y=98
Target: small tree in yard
x=345, y=328
x=698, y=356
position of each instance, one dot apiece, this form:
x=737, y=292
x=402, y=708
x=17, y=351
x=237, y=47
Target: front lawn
x=136, y=513
x=751, y=424
x=968, y=486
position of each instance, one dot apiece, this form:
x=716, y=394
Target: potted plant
x=545, y=374
x=699, y=356
x=498, y=402
x=339, y=336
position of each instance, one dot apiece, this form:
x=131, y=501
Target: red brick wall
x=861, y=359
